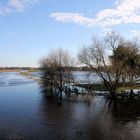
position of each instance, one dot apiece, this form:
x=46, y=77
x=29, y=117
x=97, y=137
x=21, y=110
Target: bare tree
x=49, y=73
x=56, y=70
x=104, y=58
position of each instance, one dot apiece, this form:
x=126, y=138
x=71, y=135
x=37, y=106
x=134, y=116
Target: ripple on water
x=13, y=79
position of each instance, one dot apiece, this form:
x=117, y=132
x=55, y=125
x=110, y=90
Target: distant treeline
x=75, y=68
x=17, y=68
x=38, y=68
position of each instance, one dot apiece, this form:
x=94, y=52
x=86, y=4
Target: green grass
x=24, y=73
x=127, y=88
x=101, y=87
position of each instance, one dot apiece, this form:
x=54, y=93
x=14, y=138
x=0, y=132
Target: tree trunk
x=51, y=88
x=61, y=84
x=113, y=93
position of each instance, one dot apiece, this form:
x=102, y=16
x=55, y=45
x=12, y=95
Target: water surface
x=25, y=113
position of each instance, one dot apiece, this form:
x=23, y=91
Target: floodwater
x=25, y=113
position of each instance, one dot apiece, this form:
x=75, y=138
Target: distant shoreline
x=10, y=70
x=17, y=69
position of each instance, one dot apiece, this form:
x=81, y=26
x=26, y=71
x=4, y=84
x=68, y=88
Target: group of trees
x=114, y=59
x=56, y=72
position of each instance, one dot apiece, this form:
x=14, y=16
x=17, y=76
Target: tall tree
x=109, y=58
x=127, y=54
x=56, y=70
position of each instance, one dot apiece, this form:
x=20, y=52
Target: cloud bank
x=125, y=11
x=15, y=5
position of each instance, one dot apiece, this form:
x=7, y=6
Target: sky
x=30, y=29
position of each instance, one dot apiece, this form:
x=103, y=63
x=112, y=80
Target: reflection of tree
x=99, y=120
x=124, y=110
x=56, y=116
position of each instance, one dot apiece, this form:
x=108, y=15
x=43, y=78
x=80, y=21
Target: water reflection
x=102, y=119
x=26, y=113
x=125, y=110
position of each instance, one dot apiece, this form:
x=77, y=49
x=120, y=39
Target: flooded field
x=25, y=113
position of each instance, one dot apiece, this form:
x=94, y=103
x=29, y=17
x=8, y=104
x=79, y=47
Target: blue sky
x=29, y=29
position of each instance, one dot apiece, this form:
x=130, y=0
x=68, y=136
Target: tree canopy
x=113, y=59
x=55, y=70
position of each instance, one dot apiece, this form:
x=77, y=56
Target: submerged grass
x=25, y=73
x=128, y=88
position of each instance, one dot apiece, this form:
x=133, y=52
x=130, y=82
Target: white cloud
x=20, y=4
x=72, y=17
x=15, y=5
x=126, y=11
x=135, y=33
x=117, y=2
x=4, y=10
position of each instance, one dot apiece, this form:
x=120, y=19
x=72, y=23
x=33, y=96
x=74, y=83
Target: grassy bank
x=101, y=87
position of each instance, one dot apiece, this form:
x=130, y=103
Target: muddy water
x=25, y=113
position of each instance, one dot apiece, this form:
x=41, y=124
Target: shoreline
x=10, y=70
